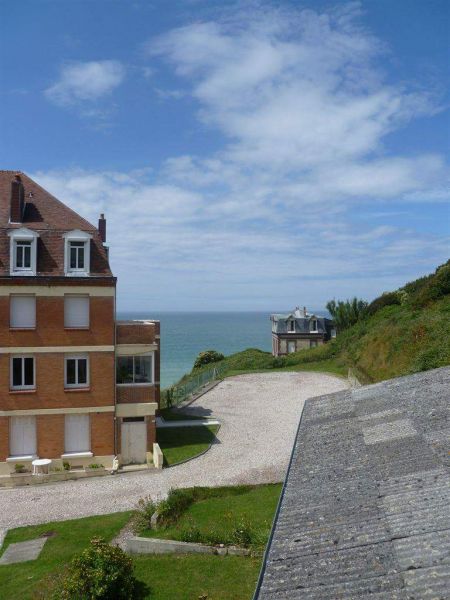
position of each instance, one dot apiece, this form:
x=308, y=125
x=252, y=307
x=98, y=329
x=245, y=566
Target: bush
x=242, y=534
x=19, y=468
x=278, y=362
x=386, y=299
x=66, y=466
x=101, y=572
x=177, y=501
x=142, y=518
x=207, y=357
x=436, y=287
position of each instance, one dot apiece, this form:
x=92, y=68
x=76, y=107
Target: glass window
x=22, y=372
x=291, y=326
x=23, y=255
x=134, y=369
x=76, y=371
x=77, y=256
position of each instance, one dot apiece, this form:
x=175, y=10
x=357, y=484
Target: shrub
x=95, y=466
x=207, y=357
x=278, y=362
x=19, y=468
x=386, y=299
x=142, y=518
x=66, y=466
x=177, y=501
x=101, y=572
x=347, y=313
x=242, y=534
x=436, y=287
x=191, y=534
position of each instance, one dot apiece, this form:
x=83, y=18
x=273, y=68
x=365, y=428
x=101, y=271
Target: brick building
x=75, y=384
x=299, y=330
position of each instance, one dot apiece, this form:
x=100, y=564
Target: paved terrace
x=366, y=508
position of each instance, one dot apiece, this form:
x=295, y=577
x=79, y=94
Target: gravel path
x=259, y=415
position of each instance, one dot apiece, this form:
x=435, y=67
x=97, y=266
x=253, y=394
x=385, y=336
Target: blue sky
x=248, y=155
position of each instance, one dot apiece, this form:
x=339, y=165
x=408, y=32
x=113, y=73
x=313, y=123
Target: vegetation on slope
x=400, y=332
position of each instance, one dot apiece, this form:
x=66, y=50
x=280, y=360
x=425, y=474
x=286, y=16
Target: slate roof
x=51, y=219
x=302, y=324
x=365, y=511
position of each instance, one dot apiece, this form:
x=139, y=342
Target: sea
x=185, y=334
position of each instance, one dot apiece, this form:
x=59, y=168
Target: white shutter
x=76, y=311
x=77, y=435
x=22, y=436
x=23, y=311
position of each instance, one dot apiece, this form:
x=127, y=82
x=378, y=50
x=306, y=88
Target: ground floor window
x=22, y=436
x=77, y=436
x=313, y=343
x=291, y=347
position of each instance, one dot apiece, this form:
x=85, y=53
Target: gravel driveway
x=259, y=415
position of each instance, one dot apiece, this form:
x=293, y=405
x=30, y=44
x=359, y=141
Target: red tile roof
x=51, y=219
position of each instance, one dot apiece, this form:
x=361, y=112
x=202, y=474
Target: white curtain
x=23, y=311
x=22, y=436
x=77, y=436
x=76, y=311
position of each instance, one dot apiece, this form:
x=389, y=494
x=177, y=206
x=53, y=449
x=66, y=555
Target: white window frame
x=22, y=387
x=84, y=296
x=77, y=236
x=333, y=333
x=11, y=296
x=313, y=329
x=77, y=385
x=22, y=235
x=133, y=356
x=290, y=330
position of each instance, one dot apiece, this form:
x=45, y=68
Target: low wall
x=142, y=545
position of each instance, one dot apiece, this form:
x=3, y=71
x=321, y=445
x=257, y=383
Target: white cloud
x=85, y=81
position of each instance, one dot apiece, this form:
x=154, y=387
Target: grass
x=223, y=509
x=168, y=577
x=181, y=443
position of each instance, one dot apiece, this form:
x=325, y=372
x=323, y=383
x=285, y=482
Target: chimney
x=17, y=204
x=102, y=227
x=305, y=314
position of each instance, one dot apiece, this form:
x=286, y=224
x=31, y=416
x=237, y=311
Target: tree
x=346, y=313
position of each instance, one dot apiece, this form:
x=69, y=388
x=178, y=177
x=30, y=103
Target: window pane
x=17, y=371
x=82, y=370
x=19, y=261
x=70, y=371
x=81, y=258
x=27, y=257
x=142, y=369
x=73, y=257
x=124, y=369
x=29, y=371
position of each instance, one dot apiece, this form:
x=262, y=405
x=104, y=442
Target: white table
x=41, y=465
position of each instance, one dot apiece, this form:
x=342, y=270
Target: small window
x=76, y=371
x=135, y=369
x=22, y=312
x=23, y=256
x=22, y=436
x=77, y=250
x=314, y=325
x=313, y=343
x=76, y=434
x=333, y=333
x=291, y=327
x=22, y=372
x=76, y=312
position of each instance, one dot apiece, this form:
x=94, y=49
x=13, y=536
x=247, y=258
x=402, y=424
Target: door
x=134, y=442
x=291, y=347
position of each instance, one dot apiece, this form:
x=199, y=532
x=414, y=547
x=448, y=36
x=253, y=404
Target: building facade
x=76, y=386
x=299, y=330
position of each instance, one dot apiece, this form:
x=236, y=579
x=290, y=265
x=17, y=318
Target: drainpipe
x=114, y=372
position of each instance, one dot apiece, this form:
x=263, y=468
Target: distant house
x=299, y=330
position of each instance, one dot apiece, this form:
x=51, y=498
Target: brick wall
x=50, y=324
x=50, y=391
x=138, y=333
x=102, y=433
x=130, y=394
x=50, y=435
x=4, y=438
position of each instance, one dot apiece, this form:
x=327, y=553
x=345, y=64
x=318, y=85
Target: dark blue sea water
x=184, y=335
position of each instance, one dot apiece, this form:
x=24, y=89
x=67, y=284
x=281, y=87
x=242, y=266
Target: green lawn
x=168, y=577
x=226, y=507
x=180, y=443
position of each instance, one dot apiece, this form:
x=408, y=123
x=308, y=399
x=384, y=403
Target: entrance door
x=134, y=442
x=291, y=347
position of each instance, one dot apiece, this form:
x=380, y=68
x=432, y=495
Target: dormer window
x=291, y=326
x=77, y=253
x=313, y=327
x=23, y=243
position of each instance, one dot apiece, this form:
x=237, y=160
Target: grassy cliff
x=402, y=332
